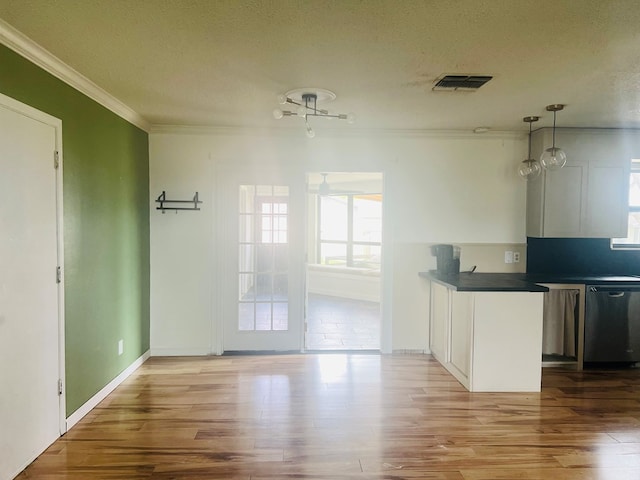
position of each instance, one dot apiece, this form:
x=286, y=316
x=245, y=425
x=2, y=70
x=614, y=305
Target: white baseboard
x=410, y=351
x=90, y=404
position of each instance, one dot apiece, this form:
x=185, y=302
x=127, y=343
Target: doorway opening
x=344, y=251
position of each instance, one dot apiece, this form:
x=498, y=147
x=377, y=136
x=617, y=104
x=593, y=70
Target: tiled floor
x=335, y=323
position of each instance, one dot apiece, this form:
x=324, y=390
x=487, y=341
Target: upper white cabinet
x=589, y=197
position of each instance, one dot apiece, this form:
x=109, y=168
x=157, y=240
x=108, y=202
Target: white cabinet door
x=461, y=324
x=606, y=209
x=439, y=322
x=563, y=201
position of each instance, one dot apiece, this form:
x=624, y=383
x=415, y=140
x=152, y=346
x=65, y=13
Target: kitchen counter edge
x=484, y=282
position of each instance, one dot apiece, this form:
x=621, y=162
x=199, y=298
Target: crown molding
x=330, y=133
x=24, y=46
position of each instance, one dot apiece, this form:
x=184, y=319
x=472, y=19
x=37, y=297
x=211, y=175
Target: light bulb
x=529, y=169
x=351, y=118
x=553, y=158
x=277, y=114
x=310, y=132
x=282, y=99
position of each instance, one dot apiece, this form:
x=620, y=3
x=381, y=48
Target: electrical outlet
x=508, y=256
x=516, y=257
x=120, y=347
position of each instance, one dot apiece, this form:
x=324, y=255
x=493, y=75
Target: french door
x=262, y=260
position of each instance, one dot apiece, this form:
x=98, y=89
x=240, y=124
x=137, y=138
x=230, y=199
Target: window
x=273, y=221
x=350, y=230
x=633, y=233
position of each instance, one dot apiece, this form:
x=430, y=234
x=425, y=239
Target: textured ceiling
x=223, y=62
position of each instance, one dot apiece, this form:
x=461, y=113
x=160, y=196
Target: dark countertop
x=485, y=282
x=520, y=282
x=604, y=279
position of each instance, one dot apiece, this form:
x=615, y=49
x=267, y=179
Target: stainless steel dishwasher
x=612, y=323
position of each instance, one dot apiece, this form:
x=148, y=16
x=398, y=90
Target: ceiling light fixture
x=529, y=168
x=553, y=158
x=306, y=102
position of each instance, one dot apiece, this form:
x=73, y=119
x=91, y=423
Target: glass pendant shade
x=310, y=132
x=529, y=169
x=553, y=158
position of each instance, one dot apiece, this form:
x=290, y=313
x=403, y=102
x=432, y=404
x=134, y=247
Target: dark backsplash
x=580, y=256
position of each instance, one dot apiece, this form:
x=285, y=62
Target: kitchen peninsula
x=486, y=330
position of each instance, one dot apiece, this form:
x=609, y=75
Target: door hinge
x=59, y=386
x=56, y=160
x=58, y=274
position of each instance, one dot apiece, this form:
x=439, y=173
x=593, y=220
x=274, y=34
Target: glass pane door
x=263, y=302
x=262, y=291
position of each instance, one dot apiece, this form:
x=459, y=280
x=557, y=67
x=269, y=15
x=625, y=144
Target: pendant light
x=305, y=105
x=529, y=168
x=553, y=158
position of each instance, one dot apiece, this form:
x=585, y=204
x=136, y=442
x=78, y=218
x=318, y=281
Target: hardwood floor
x=338, y=416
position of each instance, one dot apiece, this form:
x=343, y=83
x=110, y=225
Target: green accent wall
x=106, y=227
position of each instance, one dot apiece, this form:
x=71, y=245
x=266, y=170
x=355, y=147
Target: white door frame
x=56, y=123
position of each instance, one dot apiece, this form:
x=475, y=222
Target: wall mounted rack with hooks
x=166, y=204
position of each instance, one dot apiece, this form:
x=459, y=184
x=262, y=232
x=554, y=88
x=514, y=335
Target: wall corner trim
x=90, y=404
x=24, y=46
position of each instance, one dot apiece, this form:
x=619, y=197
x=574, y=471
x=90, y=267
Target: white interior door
x=262, y=259
x=31, y=409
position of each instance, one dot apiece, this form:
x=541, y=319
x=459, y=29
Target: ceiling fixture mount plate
x=322, y=94
x=462, y=83
x=555, y=107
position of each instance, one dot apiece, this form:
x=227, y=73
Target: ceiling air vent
x=464, y=83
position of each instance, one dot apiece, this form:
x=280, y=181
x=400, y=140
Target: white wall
x=344, y=283
x=449, y=188
x=182, y=255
